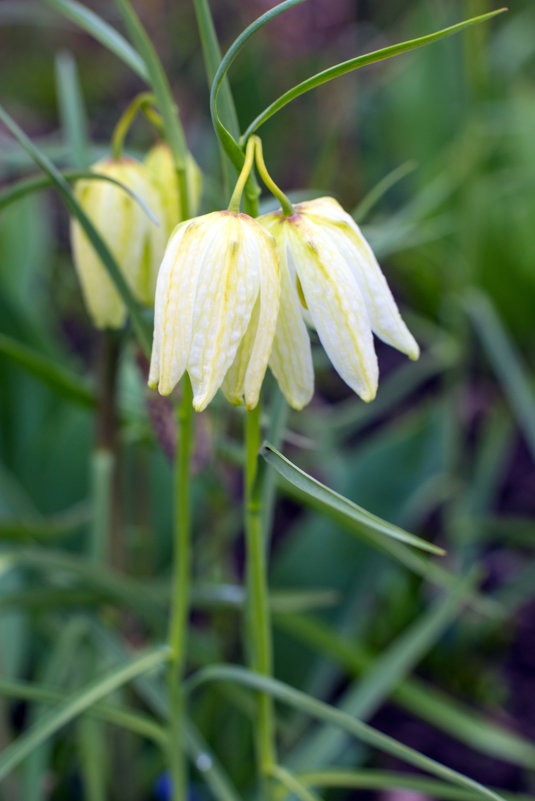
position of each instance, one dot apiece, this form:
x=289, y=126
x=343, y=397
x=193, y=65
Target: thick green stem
x=178, y=625
x=258, y=617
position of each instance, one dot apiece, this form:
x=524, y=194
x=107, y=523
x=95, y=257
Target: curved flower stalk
x=217, y=301
x=136, y=242
x=159, y=162
x=330, y=278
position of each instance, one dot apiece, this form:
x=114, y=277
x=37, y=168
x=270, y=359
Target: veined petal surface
x=385, y=319
x=291, y=357
x=244, y=378
x=335, y=303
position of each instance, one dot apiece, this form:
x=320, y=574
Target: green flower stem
x=174, y=132
x=178, y=626
x=257, y=608
x=142, y=102
x=286, y=206
x=235, y=200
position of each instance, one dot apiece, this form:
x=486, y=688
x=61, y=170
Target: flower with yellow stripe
x=136, y=242
x=217, y=300
x=331, y=279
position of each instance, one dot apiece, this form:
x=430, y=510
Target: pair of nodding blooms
x=136, y=242
x=236, y=294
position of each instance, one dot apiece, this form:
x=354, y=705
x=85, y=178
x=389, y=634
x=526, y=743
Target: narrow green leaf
x=384, y=780
x=375, y=194
x=420, y=699
x=102, y=32
x=48, y=528
x=232, y=596
x=154, y=696
x=61, y=380
x=317, y=709
x=92, y=750
x=232, y=148
x=124, y=590
x=91, y=232
x=360, y=61
x=72, y=110
x=27, y=186
x=111, y=713
x=164, y=97
x=364, y=697
x=212, y=59
x=506, y=362
x=53, y=671
x=77, y=703
x=208, y=766
x=293, y=784
x=354, y=516
x=394, y=549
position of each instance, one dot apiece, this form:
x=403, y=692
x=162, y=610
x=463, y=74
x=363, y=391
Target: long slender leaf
x=365, y=696
x=56, y=668
x=91, y=232
x=155, y=697
x=61, y=380
x=109, y=583
x=77, y=703
x=27, y=186
x=160, y=86
x=111, y=713
x=102, y=32
x=292, y=783
x=232, y=149
x=212, y=59
x=506, y=362
x=361, y=61
x=354, y=516
x=72, y=111
x=317, y=709
x=384, y=780
x=420, y=699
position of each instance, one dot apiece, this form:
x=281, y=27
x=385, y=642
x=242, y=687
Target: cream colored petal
x=164, y=308
x=144, y=240
x=335, y=304
x=383, y=312
x=232, y=386
x=291, y=357
x=227, y=290
x=246, y=374
x=102, y=299
x=176, y=291
x=385, y=319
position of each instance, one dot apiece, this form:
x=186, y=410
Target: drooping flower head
x=217, y=300
x=159, y=162
x=331, y=278
x=136, y=241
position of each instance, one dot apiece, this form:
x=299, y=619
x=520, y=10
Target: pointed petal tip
x=165, y=387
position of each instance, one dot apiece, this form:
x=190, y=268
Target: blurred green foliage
x=446, y=450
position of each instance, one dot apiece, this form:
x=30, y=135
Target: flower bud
x=159, y=162
x=136, y=242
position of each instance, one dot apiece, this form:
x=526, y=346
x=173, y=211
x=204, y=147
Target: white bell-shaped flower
x=330, y=276
x=217, y=300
